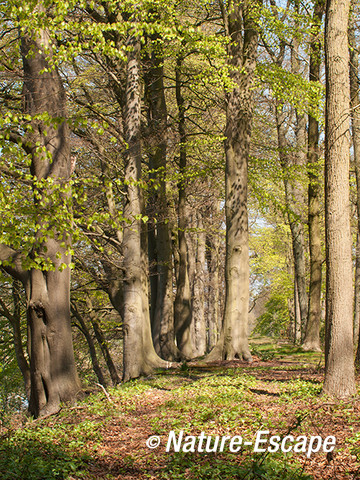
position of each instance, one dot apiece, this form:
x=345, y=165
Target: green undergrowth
x=216, y=400
x=259, y=467
x=48, y=451
x=267, y=349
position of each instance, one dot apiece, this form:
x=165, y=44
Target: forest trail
x=123, y=453
x=104, y=436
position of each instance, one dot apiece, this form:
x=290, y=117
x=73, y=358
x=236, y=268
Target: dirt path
x=124, y=455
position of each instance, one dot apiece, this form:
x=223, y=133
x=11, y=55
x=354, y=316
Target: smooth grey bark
x=183, y=294
x=291, y=161
x=191, y=243
x=298, y=191
x=213, y=293
x=297, y=314
x=198, y=297
x=242, y=31
x=139, y=354
x=163, y=332
x=312, y=331
x=357, y=300
x=294, y=201
x=152, y=257
x=52, y=365
x=339, y=362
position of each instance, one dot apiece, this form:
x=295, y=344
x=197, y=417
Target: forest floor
x=104, y=436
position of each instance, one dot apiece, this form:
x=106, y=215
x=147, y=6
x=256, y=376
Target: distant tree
x=312, y=330
x=160, y=248
x=183, y=293
x=12, y=309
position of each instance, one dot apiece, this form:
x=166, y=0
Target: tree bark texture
x=294, y=199
x=312, y=332
x=139, y=354
x=213, y=291
x=298, y=190
x=198, y=297
x=339, y=361
x=163, y=308
x=297, y=314
x=183, y=294
x=233, y=342
x=355, y=117
x=53, y=373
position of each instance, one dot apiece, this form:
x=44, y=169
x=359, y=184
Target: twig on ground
x=106, y=393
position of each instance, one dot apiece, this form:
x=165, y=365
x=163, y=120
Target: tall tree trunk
x=355, y=117
x=153, y=275
x=298, y=191
x=213, y=311
x=163, y=312
x=233, y=342
x=52, y=365
x=183, y=295
x=312, y=332
x=357, y=299
x=198, y=302
x=191, y=243
x=294, y=201
x=339, y=361
x=139, y=354
x=297, y=314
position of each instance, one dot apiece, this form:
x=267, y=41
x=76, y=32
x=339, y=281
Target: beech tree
x=139, y=353
x=160, y=249
x=161, y=99
x=182, y=298
x=241, y=28
x=47, y=279
x=312, y=331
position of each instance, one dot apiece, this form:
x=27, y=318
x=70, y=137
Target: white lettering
x=300, y=445
x=274, y=441
x=289, y=438
x=235, y=444
x=260, y=440
x=331, y=441
x=189, y=445
x=172, y=438
x=311, y=442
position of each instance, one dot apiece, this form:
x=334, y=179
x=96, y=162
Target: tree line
x=137, y=141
